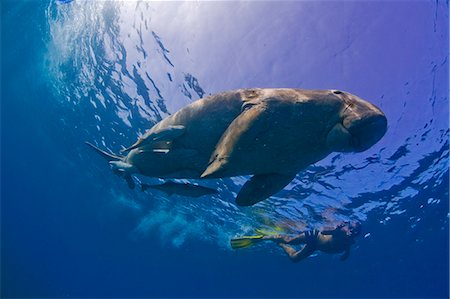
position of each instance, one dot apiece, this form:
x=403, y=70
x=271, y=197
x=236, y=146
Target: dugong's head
x=361, y=124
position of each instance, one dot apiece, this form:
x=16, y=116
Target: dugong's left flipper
x=229, y=142
x=262, y=186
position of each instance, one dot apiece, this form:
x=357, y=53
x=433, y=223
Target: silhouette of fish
x=63, y=1
x=183, y=189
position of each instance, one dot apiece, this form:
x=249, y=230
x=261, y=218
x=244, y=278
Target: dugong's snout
x=362, y=125
x=367, y=131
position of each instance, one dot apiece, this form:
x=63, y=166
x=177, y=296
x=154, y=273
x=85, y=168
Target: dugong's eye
x=337, y=92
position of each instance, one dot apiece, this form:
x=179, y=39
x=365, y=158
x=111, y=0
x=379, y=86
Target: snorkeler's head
x=354, y=228
x=351, y=228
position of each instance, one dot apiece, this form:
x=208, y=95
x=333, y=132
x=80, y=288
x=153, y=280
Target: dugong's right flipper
x=242, y=126
x=262, y=186
x=166, y=134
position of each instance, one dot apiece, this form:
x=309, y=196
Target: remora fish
x=183, y=189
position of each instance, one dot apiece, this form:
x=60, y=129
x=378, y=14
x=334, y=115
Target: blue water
x=106, y=71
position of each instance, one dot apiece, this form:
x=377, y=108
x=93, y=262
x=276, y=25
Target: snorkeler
x=337, y=240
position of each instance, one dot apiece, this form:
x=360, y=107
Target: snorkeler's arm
x=346, y=254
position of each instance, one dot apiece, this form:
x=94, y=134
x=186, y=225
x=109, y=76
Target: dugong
x=271, y=134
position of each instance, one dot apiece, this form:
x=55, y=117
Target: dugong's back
x=205, y=121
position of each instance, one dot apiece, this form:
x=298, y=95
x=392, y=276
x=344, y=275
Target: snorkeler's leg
x=295, y=240
x=297, y=256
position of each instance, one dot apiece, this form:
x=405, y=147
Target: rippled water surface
x=106, y=71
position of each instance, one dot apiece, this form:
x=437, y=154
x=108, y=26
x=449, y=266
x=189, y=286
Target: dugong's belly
x=205, y=121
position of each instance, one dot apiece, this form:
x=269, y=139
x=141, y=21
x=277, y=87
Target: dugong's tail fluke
x=106, y=155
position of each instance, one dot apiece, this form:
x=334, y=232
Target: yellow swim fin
x=265, y=232
x=245, y=241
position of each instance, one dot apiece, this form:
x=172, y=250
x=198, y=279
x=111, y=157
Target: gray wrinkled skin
x=270, y=133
